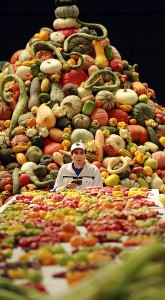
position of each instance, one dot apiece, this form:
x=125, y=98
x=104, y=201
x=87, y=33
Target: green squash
x=142, y=112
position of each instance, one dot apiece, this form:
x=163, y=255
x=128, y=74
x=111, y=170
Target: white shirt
x=90, y=176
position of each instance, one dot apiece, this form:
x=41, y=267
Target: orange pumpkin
x=100, y=115
x=160, y=157
x=138, y=133
x=50, y=147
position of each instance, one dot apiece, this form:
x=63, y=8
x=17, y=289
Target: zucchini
x=42, y=184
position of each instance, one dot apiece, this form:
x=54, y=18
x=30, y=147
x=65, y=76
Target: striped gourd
x=90, y=157
x=124, y=152
x=143, y=182
x=151, y=147
x=45, y=85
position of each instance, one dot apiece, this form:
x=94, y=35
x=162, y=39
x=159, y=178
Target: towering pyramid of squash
x=69, y=83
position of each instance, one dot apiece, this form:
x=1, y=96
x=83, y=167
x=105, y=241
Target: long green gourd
x=22, y=101
x=91, y=82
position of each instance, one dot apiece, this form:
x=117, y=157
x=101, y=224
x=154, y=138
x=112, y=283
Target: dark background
x=135, y=28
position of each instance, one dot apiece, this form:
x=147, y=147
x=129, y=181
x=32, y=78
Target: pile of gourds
x=70, y=84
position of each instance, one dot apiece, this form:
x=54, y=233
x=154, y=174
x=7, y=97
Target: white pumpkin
x=62, y=23
x=82, y=92
x=126, y=96
x=23, y=72
x=72, y=105
x=50, y=66
x=116, y=141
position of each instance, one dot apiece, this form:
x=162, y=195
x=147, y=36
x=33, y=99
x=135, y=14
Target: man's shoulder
x=91, y=166
x=66, y=166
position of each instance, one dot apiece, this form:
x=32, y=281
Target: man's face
x=78, y=155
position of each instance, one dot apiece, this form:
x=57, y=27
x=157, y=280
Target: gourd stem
x=86, y=35
x=95, y=26
x=89, y=84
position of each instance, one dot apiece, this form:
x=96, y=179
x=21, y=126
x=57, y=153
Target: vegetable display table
x=56, y=239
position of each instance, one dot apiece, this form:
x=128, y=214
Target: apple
x=152, y=163
x=143, y=98
x=112, y=180
x=34, y=154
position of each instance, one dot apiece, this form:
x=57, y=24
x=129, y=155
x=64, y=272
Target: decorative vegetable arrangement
x=72, y=235
x=70, y=84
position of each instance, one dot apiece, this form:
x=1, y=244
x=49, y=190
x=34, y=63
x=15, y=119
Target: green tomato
x=143, y=98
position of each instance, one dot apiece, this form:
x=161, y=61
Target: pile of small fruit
x=71, y=84
x=75, y=232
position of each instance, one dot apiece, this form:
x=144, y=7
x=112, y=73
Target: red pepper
x=73, y=76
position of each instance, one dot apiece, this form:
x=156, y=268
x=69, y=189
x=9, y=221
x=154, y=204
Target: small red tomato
x=24, y=179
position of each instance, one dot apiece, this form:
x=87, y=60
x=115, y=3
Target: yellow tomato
x=112, y=180
x=104, y=174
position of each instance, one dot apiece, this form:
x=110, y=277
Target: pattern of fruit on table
x=60, y=285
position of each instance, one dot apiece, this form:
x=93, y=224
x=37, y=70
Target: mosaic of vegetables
x=71, y=84
x=52, y=241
